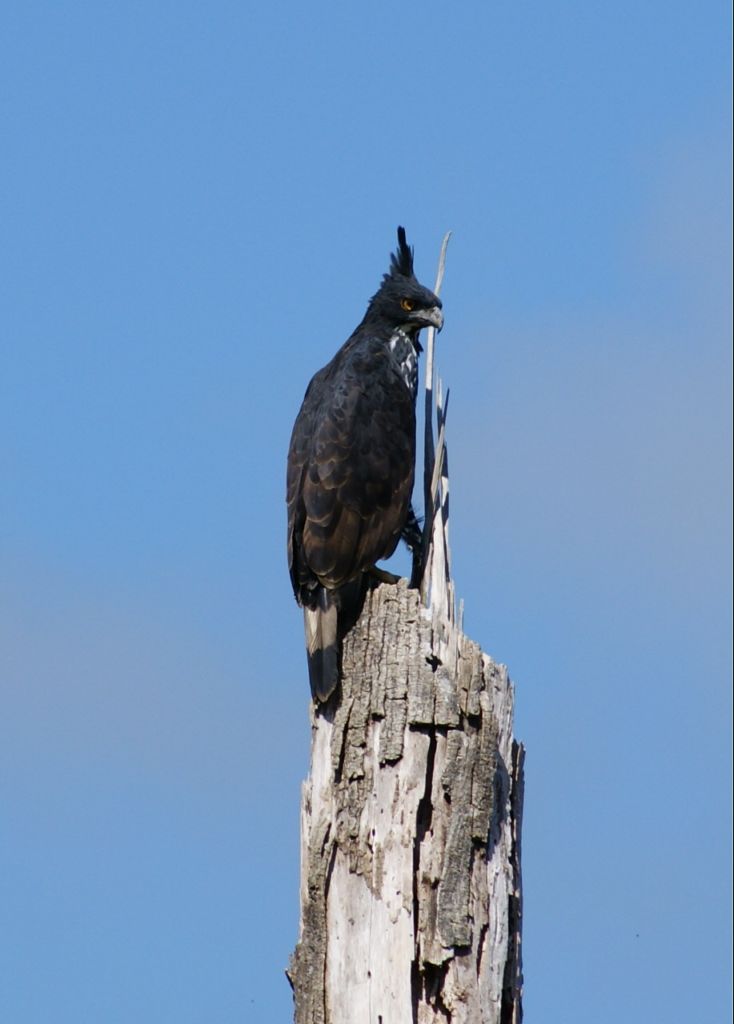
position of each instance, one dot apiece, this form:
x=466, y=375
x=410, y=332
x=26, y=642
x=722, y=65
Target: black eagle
x=351, y=463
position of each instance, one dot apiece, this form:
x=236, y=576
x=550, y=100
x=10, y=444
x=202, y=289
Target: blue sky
x=197, y=201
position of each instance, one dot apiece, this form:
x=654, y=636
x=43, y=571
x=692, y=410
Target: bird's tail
x=322, y=645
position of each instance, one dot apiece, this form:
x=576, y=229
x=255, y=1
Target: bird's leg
x=412, y=534
x=382, y=575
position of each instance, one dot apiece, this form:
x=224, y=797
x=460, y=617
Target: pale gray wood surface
x=410, y=889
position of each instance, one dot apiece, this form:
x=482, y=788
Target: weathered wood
x=410, y=832
x=429, y=455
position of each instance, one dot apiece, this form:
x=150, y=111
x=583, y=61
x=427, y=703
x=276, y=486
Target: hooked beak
x=433, y=317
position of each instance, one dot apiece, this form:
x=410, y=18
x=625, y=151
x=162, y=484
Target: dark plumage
x=351, y=462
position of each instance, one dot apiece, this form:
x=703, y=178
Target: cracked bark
x=410, y=831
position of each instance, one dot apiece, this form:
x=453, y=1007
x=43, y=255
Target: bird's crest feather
x=401, y=261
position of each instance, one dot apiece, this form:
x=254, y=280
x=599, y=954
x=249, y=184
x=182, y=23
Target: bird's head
x=402, y=301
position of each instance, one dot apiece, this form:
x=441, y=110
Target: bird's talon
x=382, y=575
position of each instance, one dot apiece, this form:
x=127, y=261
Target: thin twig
x=431, y=338
x=428, y=449
x=437, y=464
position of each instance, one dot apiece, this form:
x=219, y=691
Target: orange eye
x=407, y=304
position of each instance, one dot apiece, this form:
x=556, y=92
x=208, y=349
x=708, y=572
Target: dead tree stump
x=410, y=860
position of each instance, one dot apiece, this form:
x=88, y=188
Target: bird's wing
x=350, y=467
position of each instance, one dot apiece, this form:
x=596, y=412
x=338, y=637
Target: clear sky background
x=197, y=202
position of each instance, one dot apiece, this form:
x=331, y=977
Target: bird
x=351, y=464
